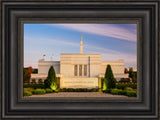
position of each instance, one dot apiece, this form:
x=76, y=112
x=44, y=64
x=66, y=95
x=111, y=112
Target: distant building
x=80, y=70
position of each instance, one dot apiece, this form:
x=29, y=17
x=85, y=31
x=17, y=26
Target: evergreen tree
x=51, y=81
x=111, y=81
x=131, y=73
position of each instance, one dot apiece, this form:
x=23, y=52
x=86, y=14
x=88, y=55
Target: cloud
x=108, y=30
x=50, y=41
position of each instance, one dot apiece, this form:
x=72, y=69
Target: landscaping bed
x=38, y=91
x=127, y=92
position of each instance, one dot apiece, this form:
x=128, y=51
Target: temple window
x=75, y=70
x=80, y=70
x=85, y=70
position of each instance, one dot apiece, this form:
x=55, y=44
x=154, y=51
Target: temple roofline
x=80, y=54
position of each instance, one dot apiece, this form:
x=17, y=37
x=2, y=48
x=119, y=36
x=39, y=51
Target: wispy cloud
x=51, y=41
x=108, y=30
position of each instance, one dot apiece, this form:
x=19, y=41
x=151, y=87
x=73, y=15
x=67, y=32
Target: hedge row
x=78, y=90
x=29, y=92
x=38, y=91
x=123, y=86
x=49, y=90
x=129, y=93
x=34, y=86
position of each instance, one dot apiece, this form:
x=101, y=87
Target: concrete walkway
x=78, y=94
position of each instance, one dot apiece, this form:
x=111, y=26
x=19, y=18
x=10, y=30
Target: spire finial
x=81, y=37
x=81, y=45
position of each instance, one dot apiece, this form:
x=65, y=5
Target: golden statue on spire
x=81, y=37
x=81, y=45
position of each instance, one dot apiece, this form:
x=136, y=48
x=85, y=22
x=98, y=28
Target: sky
x=113, y=41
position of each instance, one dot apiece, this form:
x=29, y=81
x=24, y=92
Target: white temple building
x=80, y=70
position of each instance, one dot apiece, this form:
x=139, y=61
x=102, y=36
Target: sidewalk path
x=78, y=94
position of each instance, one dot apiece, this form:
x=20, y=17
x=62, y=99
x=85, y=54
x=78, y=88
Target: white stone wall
x=95, y=65
x=93, y=62
x=117, y=66
x=43, y=77
x=43, y=66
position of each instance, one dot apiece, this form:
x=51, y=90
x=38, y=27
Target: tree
x=131, y=73
x=30, y=69
x=27, y=75
x=111, y=81
x=51, y=81
x=125, y=70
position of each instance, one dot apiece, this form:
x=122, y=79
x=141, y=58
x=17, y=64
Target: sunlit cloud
x=108, y=30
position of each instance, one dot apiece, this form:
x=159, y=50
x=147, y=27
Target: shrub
x=46, y=83
x=128, y=88
x=78, y=90
x=40, y=81
x=122, y=92
x=34, y=86
x=124, y=80
x=70, y=90
x=116, y=91
x=27, y=93
x=28, y=89
x=134, y=80
x=64, y=90
x=49, y=90
x=85, y=90
x=131, y=93
x=107, y=91
x=123, y=86
x=33, y=81
x=38, y=91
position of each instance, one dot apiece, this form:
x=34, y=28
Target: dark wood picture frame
x=15, y=13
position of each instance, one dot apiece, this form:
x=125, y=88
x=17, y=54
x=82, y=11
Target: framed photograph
x=83, y=72
x=80, y=60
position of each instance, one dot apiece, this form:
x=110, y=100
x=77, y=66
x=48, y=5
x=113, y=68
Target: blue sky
x=113, y=41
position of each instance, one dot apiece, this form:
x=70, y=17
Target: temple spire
x=81, y=45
